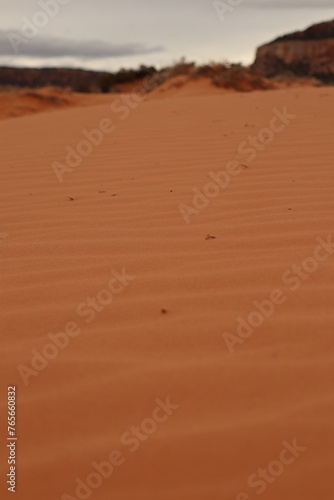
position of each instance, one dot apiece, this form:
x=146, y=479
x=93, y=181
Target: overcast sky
x=109, y=34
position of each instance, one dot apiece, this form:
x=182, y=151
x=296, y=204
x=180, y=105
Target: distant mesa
x=77, y=80
x=308, y=53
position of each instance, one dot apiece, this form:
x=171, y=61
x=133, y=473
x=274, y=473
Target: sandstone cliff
x=306, y=53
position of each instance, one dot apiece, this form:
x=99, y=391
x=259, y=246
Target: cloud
x=49, y=47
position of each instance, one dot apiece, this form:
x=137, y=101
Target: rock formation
x=307, y=53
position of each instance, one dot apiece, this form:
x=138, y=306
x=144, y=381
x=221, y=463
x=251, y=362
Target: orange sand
x=26, y=102
x=235, y=410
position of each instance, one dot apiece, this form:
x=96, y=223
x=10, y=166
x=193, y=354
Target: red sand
x=162, y=335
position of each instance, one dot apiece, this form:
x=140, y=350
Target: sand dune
x=184, y=86
x=124, y=209
x=15, y=104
